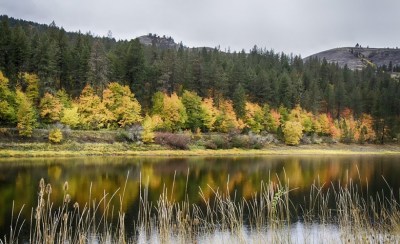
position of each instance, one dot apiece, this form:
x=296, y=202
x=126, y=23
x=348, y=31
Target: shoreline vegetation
x=124, y=149
x=77, y=143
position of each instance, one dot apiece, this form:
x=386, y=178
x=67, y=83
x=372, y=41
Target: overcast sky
x=292, y=26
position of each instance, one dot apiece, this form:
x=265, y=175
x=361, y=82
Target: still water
x=241, y=176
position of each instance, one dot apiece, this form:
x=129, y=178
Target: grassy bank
x=126, y=149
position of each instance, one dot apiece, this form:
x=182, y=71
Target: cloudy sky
x=292, y=26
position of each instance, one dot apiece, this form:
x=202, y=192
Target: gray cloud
x=299, y=27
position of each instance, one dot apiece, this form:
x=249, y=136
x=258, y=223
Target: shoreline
x=98, y=149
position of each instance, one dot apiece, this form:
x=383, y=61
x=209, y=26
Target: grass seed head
x=65, y=186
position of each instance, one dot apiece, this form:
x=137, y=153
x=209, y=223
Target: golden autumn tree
x=254, y=117
x=64, y=98
x=303, y=117
x=366, y=130
x=50, y=108
x=92, y=112
x=210, y=113
x=158, y=103
x=70, y=116
x=121, y=102
x=322, y=124
x=293, y=132
x=7, y=101
x=32, y=86
x=148, y=129
x=26, y=114
x=226, y=119
x=173, y=113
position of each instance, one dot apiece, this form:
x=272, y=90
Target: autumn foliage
x=116, y=106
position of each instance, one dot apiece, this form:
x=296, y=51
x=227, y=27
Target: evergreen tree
x=239, y=101
x=98, y=67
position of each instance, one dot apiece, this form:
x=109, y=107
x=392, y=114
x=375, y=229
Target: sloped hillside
x=358, y=57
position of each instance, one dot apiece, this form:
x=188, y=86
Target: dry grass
x=124, y=149
x=268, y=217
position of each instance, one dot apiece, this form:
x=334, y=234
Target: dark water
x=19, y=178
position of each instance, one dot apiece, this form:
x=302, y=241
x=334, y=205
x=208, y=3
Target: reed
x=269, y=216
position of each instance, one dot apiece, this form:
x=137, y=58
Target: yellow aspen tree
x=92, y=112
x=226, y=120
x=148, y=129
x=70, y=116
x=293, y=132
x=32, y=88
x=253, y=117
x=121, y=102
x=210, y=113
x=50, y=108
x=173, y=113
x=26, y=115
x=7, y=101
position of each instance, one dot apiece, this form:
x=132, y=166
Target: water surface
x=240, y=176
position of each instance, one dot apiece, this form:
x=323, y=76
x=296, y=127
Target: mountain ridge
x=357, y=58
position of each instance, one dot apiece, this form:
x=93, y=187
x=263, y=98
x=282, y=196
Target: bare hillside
x=358, y=57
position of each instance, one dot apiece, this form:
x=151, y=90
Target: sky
x=301, y=27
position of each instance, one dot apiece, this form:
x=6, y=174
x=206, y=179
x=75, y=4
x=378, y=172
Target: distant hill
x=357, y=58
x=164, y=42
x=160, y=42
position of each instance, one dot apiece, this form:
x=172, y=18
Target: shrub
x=55, y=135
x=241, y=141
x=210, y=145
x=178, y=141
x=218, y=142
x=122, y=136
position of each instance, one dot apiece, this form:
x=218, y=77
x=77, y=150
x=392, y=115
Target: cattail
x=65, y=217
x=48, y=189
x=41, y=184
x=66, y=186
x=67, y=198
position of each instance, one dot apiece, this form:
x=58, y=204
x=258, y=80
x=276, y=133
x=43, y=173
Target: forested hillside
x=49, y=75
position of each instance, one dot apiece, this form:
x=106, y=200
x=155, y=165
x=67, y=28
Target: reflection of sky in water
x=296, y=233
x=241, y=176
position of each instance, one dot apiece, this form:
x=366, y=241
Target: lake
x=182, y=178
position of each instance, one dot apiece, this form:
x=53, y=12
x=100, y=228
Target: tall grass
x=269, y=216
